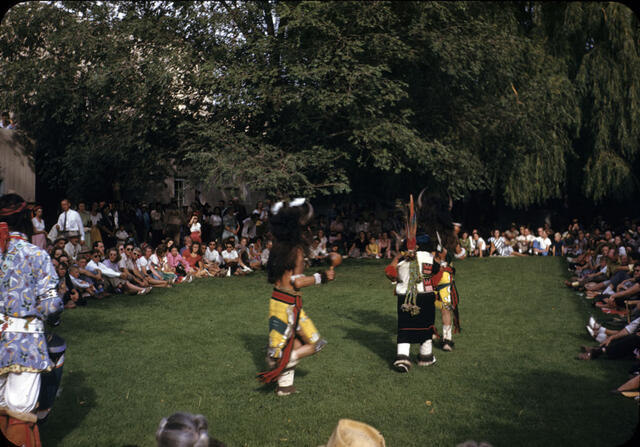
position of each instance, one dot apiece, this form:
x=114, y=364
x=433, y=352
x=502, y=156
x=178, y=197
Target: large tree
x=525, y=101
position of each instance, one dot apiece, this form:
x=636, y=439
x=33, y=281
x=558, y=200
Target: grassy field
x=512, y=380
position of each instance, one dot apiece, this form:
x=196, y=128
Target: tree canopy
x=526, y=101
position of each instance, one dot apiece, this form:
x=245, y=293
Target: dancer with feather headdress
x=415, y=274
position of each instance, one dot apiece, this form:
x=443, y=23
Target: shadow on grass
x=75, y=402
x=551, y=408
x=375, y=341
x=367, y=317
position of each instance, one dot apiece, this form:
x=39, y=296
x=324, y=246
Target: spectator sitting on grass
x=69, y=296
x=478, y=245
x=338, y=241
x=541, y=244
x=598, y=274
x=84, y=288
x=616, y=345
x=316, y=254
x=194, y=259
x=212, y=259
x=73, y=247
x=94, y=279
x=232, y=260
x=142, y=265
x=127, y=265
x=266, y=251
x=465, y=242
x=243, y=250
x=500, y=246
x=628, y=290
x=524, y=240
x=255, y=254
x=358, y=248
x=385, y=245
x=178, y=265
x=111, y=273
x=620, y=274
x=158, y=263
x=373, y=249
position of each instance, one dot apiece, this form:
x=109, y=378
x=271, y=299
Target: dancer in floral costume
x=28, y=297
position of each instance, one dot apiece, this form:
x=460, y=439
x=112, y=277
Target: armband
x=294, y=277
x=318, y=278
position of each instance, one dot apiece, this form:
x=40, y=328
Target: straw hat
x=350, y=433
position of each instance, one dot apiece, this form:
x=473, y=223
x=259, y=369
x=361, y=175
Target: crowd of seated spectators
x=106, y=248
x=604, y=267
x=162, y=245
x=515, y=241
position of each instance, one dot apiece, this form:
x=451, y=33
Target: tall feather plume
x=412, y=225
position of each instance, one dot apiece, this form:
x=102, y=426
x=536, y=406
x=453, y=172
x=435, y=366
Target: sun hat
x=350, y=433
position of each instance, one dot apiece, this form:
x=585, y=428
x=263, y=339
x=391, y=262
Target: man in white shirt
x=249, y=227
x=70, y=220
x=233, y=261
x=115, y=280
x=542, y=243
x=316, y=253
x=211, y=255
x=478, y=245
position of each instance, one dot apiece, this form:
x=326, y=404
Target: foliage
x=529, y=101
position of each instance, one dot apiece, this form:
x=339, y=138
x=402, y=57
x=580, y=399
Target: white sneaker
x=590, y=331
x=592, y=322
x=229, y=271
x=247, y=269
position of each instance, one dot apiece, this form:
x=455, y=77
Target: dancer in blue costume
x=28, y=297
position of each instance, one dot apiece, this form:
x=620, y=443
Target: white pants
x=19, y=393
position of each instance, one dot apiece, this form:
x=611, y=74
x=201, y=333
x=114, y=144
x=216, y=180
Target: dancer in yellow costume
x=435, y=219
x=292, y=334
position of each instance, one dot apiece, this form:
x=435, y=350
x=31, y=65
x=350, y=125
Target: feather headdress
x=412, y=225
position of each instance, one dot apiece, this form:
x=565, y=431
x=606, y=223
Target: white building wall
x=16, y=169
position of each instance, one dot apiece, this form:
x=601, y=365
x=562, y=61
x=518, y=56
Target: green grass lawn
x=512, y=379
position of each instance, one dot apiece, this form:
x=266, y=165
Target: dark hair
x=286, y=227
x=115, y=250
x=434, y=217
x=20, y=221
x=185, y=430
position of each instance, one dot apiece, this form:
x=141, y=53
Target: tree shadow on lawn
x=375, y=341
x=73, y=404
x=256, y=345
x=368, y=317
x=551, y=408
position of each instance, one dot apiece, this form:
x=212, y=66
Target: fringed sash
x=296, y=300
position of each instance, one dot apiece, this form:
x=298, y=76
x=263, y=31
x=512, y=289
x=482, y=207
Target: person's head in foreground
x=185, y=430
x=350, y=433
